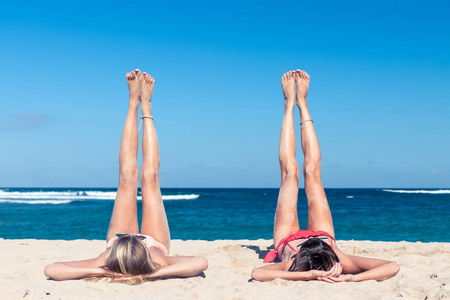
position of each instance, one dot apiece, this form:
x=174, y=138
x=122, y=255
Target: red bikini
x=301, y=234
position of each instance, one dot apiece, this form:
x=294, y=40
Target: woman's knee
x=129, y=175
x=290, y=172
x=311, y=169
x=149, y=176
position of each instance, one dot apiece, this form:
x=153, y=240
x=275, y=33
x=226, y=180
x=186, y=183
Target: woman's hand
x=334, y=272
x=340, y=278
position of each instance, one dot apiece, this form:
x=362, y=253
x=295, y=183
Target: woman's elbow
x=258, y=274
x=395, y=268
x=198, y=265
x=390, y=272
x=203, y=263
x=49, y=271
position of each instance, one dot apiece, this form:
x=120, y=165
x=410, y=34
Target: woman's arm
x=181, y=266
x=356, y=268
x=279, y=270
x=77, y=269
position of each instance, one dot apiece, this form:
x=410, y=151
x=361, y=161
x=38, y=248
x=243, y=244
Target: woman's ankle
x=146, y=110
x=133, y=103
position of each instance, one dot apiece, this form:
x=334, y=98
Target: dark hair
x=314, y=254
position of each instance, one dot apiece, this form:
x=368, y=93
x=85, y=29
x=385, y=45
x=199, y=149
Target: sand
x=424, y=274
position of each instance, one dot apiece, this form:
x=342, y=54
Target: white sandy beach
x=424, y=273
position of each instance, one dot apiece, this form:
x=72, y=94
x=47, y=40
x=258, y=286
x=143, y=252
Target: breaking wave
x=65, y=197
x=419, y=191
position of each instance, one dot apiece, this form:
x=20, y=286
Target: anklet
x=143, y=117
x=301, y=124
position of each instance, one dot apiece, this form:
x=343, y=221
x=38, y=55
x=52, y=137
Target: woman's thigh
x=319, y=214
x=124, y=215
x=286, y=216
x=154, y=219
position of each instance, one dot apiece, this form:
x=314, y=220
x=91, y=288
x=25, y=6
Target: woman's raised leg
x=154, y=219
x=319, y=214
x=124, y=215
x=286, y=218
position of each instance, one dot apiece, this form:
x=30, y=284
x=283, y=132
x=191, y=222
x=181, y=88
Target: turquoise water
x=210, y=214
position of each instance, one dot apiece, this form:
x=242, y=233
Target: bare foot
x=288, y=86
x=302, y=81
x=133, y=80
x=147, y=86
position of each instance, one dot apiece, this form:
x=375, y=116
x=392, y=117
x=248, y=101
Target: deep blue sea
x=210, y=214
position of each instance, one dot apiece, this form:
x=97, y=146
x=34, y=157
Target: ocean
x=211, y=214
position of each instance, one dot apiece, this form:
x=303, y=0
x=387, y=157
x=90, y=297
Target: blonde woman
x=132, y=257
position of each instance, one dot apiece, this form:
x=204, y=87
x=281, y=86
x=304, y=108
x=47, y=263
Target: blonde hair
x=130, y=256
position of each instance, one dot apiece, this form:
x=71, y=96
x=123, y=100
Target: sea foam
x=419, y=191
x=36, y=201
x=52, y=197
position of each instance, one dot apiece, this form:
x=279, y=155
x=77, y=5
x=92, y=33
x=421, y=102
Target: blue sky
x=379, y=94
